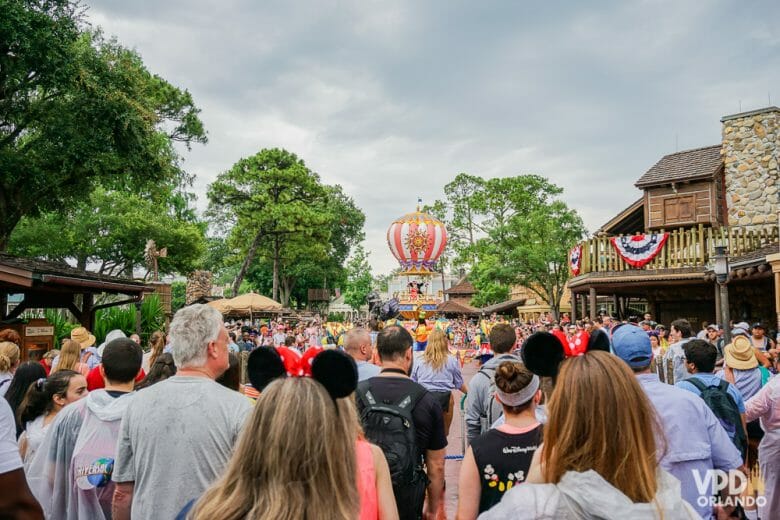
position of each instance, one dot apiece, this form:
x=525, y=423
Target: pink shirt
x=366, y=481
x=766, y=406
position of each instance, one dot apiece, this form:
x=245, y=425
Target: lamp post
x=721, y=270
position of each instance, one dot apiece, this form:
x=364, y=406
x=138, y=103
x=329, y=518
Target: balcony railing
x=684, y=248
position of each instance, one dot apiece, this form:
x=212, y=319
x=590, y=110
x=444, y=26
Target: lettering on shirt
x=520, y=449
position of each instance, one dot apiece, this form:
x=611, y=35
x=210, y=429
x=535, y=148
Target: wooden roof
x=688, y=165
x=629, y=221
x=503, y=306
x=22, y=274
x=463, y=287
x=455, y=307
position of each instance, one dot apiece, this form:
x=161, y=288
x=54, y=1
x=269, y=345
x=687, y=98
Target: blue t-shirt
x=714, y=380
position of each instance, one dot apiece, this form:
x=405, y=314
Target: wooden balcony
x=684, y=249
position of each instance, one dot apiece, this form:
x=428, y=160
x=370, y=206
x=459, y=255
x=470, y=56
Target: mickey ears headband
x=543, y=352
x=333, y=369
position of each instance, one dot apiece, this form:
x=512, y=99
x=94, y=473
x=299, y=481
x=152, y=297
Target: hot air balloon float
x=417, y=240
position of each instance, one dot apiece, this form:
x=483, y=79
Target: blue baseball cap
x=632, y=344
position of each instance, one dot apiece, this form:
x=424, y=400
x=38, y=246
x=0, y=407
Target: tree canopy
x=283, y=225
x=78, y=111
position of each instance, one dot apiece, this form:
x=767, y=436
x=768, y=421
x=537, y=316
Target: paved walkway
x=455, y=447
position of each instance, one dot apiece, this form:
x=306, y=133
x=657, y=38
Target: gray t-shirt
x=175, y=440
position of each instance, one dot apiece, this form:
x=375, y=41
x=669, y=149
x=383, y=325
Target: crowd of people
x=589, y=419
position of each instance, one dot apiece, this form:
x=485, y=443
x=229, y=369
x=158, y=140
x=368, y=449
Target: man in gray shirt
x=681, y=333
x=178, y=435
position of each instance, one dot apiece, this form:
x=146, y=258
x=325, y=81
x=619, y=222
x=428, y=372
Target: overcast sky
x=392, y=99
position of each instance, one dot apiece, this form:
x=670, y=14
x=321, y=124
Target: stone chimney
x=751, y=152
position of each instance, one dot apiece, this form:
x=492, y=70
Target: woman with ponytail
x=42, y=402
x=9, y=360
x=70, y=358
x=156, y=346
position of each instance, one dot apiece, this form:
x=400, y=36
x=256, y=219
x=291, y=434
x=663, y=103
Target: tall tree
x=359, y=279
x=267, y=198
x=77, y=111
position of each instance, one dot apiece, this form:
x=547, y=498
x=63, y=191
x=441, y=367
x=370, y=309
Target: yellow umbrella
x=251, y=303
x=220, y=305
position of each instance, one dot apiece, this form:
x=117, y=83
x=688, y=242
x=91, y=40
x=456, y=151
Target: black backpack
x=391, y=427
x=725, y=409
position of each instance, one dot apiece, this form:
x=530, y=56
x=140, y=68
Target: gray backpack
x=492, y=409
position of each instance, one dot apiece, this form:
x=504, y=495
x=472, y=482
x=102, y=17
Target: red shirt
x=95, y=380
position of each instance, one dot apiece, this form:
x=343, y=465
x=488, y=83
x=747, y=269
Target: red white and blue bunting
x=639, y=250
x=575, y=259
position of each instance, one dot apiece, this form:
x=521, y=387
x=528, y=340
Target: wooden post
x=573, y=306
x=717, y=307
x=592, y=298
x=86, y=311
x=616, y=305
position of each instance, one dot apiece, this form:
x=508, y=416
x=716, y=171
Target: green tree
x=314, y=260
x=359, y=279
x=270, y=199
x=76, y=111
x=110, y=229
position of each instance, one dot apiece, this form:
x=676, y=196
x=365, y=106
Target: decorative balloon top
x=417, y=240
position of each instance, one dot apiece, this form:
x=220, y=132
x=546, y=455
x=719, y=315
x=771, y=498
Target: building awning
x=456, y=307
x=508, y=305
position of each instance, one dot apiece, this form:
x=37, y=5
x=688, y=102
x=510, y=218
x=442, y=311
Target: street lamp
x=721, y=270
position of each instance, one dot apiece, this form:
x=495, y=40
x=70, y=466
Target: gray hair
x=192, y=329
x=354, y=337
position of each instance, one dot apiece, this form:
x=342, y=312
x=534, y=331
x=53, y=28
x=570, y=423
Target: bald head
x=357, y=343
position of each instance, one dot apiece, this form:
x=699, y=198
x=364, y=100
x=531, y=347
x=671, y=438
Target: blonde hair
x=277, y=475
x=600, y=419
x=436, y=352
x=9, y=355
x=70, y=356
x=156, y=346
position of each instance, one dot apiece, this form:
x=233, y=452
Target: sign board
x=38, y=331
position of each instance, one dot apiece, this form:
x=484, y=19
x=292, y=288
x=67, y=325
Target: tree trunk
x=250, y=255
x=275, y=291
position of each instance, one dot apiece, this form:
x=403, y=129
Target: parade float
x=417, y=240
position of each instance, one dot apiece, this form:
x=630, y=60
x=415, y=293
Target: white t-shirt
x=10, y=459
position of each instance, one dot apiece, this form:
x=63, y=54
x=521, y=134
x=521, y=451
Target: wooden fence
x=692, y=247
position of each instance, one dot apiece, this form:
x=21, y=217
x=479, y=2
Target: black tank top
x=503, y=461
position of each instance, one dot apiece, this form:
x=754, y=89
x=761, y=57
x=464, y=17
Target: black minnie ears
x=333, y=369
x=542, y=353
x=336, y=371
x=263, y=366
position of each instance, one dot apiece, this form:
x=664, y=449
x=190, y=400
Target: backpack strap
x=724, y=385
x=701, y=387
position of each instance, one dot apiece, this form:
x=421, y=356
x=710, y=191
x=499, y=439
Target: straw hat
x=82, y=335
x=739, y=354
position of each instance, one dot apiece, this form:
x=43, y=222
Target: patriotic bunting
x=575, y=259
x=639, y=250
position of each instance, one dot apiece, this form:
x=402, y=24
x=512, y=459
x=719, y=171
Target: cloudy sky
x=392, y=99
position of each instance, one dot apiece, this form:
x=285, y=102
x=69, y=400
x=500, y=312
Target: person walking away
x=16, y=499
x=695, y=441
x=48, y=359
x=89, y=354
x=584, y=469
x=26, y=374
x=156, y=346
x=765, y=406
x=404, y=419
x=500, y=458
x=357, y=343
x=721, y=397
x=346, y=477
x=680, y=334
x=43, y=401
x=481, y=408
x=72, y=469
x=9, y=360
x=162, y=369
x=156, y=470
x=439, y=372
x=69, y=358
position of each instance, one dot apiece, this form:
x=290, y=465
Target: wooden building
x=720, y=195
